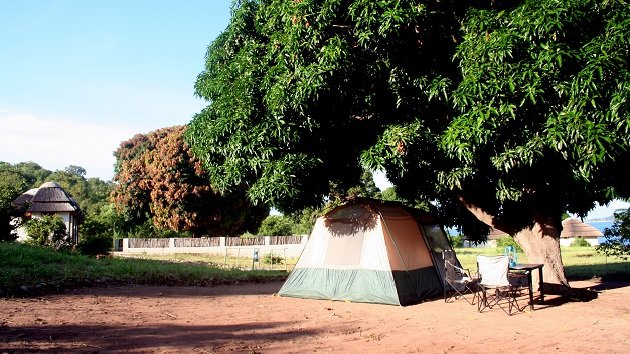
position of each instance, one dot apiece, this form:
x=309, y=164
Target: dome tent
x=371, y=251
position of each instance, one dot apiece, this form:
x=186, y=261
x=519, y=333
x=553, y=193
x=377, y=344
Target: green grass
x=40, y=269
x=221, y=261
x=579, y=262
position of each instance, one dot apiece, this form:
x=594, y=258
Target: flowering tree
x=158, y=179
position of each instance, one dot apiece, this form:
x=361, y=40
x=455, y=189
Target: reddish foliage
x=158, y=175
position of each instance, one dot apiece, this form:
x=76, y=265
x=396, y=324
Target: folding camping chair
x=457, y=280
x=496, y=288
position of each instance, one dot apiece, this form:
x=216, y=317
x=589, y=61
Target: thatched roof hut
x=573, y=228
x=49, y=199
x=25, y=197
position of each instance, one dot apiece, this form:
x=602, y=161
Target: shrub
x=508, y=241
x=48, y=231
x=270, y=258
x=617, y=237
x=456, y=240
x=276, y=225
x=580, y=242
x=95, y=245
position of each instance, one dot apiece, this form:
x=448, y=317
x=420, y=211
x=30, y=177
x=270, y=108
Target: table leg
x=540, y=285
x=531, y=293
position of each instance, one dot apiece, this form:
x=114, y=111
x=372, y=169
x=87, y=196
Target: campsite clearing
x=250, y=318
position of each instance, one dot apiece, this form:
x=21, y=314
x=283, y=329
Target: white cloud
x=603, y=211
x=56, y=143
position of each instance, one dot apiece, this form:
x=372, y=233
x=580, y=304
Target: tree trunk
x=541, y=244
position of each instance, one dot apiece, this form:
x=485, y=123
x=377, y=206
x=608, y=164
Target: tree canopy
x=506, y=114
x=159, y=180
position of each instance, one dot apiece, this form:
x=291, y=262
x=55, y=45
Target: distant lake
x=601, y=225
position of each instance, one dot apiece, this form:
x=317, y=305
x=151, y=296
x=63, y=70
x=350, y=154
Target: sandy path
x=249, y=318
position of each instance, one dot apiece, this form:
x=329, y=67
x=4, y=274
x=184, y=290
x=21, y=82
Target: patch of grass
x=579, y=262
x=226, y=262
x=28, y=269
x=586, y=263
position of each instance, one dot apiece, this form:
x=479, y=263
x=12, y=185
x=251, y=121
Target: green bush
x=508, y=241
x=617, y=237
x=270, y=258
x=457, y=241
x=580, y=242
x=48, y=231
x=276, y=225
x=95, y=245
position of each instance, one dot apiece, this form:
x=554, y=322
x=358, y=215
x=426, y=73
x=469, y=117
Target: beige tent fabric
x=335, y=245
x=370, y=251
x=407, y=250
x=573, y=227
x=340, y=244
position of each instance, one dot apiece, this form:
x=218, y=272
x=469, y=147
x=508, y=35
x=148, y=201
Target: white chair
x=495, y=285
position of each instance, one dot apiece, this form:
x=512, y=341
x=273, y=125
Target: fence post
x=255, y=258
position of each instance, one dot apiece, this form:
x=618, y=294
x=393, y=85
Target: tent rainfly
x=371, y=251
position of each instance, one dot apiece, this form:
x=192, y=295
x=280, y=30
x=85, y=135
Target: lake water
x=601, y=225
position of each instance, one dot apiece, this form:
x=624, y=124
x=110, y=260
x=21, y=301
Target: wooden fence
x=290, y=245
x=197, y=242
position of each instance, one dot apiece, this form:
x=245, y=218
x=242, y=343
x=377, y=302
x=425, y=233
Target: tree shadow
x=94, y=338
x=159, y=291
x=608, y=272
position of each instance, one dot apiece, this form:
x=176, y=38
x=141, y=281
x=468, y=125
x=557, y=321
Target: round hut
x=50, y=199
x=573, y=228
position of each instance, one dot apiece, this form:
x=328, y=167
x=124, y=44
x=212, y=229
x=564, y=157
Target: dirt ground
x=249, y=318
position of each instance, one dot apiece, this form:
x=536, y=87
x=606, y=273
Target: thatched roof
x=573, y=227
x=25, y=197
x=49, y=197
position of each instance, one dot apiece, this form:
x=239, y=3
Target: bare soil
x=249, y=318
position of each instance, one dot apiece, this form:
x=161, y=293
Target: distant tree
x=159, y=180
x=617, y=237
x=276, y=225
x=366, y=187
x=389, y=194
x=97, y=231
x=35, y=174
x=12, y=184
x=304, y=220
x=75, y=170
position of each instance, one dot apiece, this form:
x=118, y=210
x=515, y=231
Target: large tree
x=512, y=112
x=159, y=180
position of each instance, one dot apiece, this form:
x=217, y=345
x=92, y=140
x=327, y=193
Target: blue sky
x=77, y=77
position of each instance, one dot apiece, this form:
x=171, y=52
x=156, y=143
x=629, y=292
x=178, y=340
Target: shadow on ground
x=64, y=338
